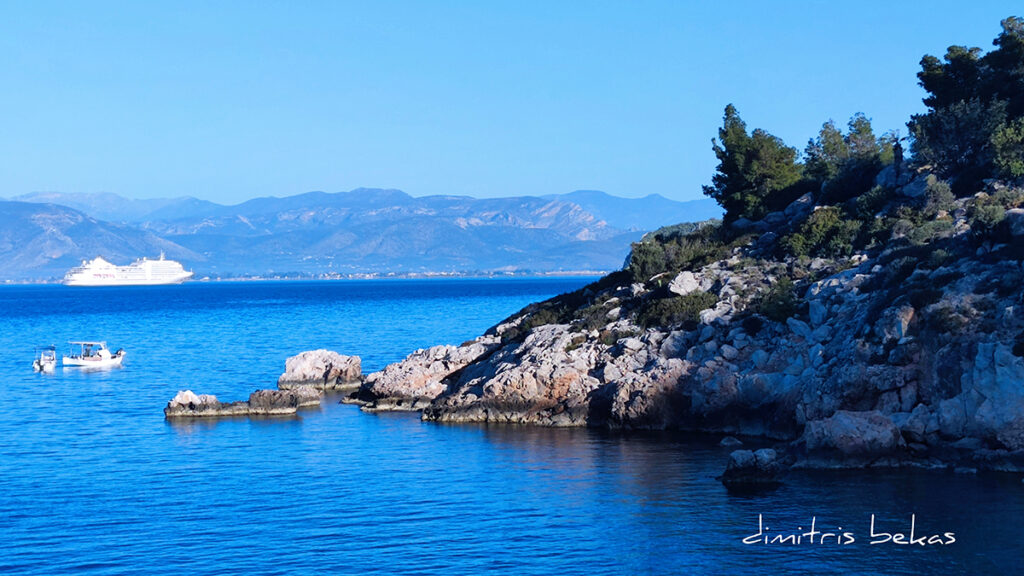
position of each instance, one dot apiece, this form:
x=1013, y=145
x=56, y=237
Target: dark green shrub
x=923, y=296
x=795, y=244
x=677, y=310
x=575, y=342
x=929, y=231
x=780, y=302
x=985, y=219
x=825, y=233
x=675, y=252
x=938, y=257
x=946, y=320
x=871, y=202
x=940, y=197
x=1008, y=144
x=856, y=177
x=752, y=325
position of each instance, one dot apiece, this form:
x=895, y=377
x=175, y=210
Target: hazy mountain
x=39, y=241
x=114, y=208
x=648, y=213
x=364, y=230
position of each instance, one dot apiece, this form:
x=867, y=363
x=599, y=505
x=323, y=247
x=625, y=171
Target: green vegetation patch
x=677, y=310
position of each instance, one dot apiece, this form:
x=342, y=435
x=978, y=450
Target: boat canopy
x=87, y=343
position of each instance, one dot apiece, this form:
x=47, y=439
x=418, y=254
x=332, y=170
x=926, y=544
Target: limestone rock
x=412, y=383
x=916, y=188
x=818, y=313
x=278, y=402
x=800, y=207
x=186, y=404
x=686, y=282
x=1015, y=218
x=854, y=435
x=323, y=368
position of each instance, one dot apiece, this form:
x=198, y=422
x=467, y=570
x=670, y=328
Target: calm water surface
x=96, y=482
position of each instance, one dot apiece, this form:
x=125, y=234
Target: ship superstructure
x=142, y=272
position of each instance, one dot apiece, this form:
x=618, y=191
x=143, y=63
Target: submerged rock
x=325, y=369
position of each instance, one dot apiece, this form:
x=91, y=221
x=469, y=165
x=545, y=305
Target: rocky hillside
x=906, y=350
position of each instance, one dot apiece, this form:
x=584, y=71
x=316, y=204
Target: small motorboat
x=46, y=359
x=93, y=355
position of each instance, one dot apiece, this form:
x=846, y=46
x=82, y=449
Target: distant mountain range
x=362, y=231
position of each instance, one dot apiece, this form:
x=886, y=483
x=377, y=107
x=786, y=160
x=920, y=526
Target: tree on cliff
x=754, y=171
x=845, y=165
x=972, y=97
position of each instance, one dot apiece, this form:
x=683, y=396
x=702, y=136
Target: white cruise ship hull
x=144, y=272
x=86, y=281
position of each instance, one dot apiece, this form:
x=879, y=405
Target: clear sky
x=231, y=100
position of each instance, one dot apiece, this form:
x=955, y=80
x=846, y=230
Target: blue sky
x=231, y=100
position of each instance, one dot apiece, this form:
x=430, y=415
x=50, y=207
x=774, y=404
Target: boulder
x=800, y=328
x=326, y=369
x=916, y=188
x=1015, y=218
x=748, y=467
x=893, y=325
x=729, y=352
x=686, y=282
x=307, y=395
x=995, y=406
x=273, y=402
x=818, y=313
x=854, y=435
x=952, y=419
x=774, y=219
x=743, y=224
x=800, y=207
x=886, y=177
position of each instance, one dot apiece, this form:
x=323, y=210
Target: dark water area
x=95, y=481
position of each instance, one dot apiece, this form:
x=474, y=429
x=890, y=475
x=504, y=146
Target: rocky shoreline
x=876, y=360
x=879, y=366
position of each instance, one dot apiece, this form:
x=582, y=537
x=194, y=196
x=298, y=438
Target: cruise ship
x=143, y=272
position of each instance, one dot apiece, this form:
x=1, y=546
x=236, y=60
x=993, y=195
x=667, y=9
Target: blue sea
x=95, y=481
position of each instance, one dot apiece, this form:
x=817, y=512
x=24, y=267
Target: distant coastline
x=360, y=276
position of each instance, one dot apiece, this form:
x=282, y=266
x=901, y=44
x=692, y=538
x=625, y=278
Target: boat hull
x=44, y=365
x=93, y=362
